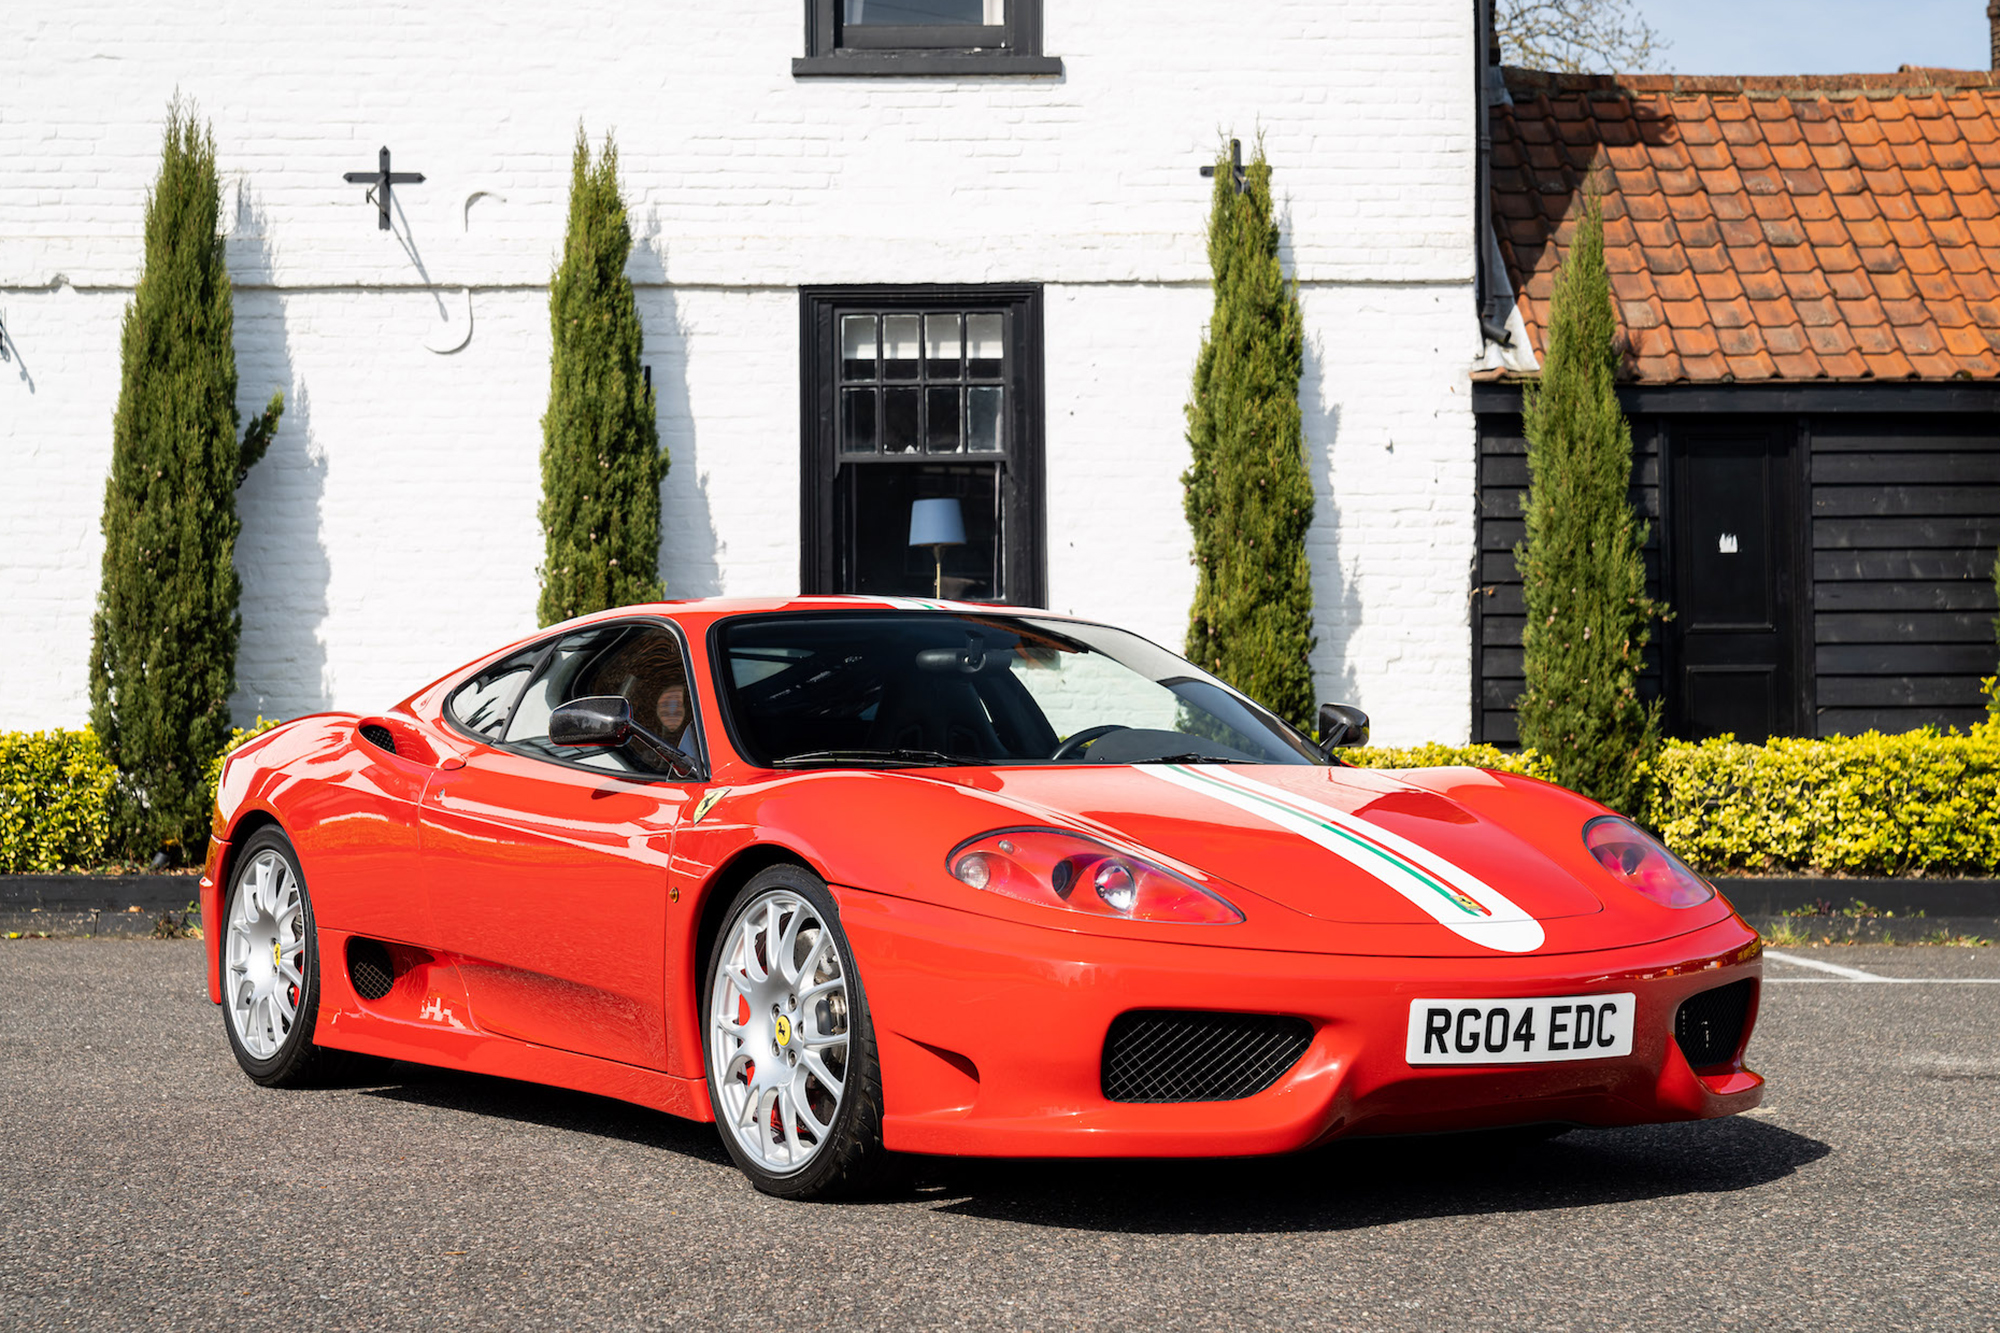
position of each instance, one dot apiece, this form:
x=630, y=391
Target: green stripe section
x=1451, y=895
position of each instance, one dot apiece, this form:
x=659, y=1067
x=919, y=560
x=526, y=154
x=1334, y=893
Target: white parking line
x=1887, y=981
x=1851, y=974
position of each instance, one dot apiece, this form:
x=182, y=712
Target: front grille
x=379, y=736
x=368, y=967
x=1708, y=1026
x=1162, y=1056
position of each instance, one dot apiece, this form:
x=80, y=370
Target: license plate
x=1508, y=1032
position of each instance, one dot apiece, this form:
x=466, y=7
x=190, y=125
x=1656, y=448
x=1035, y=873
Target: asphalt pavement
x=144, y=1182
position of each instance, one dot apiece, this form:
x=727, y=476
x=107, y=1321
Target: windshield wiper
x=1195, y=757
x=904, y=758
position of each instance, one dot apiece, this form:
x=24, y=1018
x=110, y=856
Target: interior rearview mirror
x=599, y=720
x=1342, y=726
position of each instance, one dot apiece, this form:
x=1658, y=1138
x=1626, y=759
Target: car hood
x=1348, y=845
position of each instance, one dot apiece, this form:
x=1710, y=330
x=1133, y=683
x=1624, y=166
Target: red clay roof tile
x=1758, y=228
x=1746, y=341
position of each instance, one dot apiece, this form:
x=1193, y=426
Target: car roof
x=715, y=607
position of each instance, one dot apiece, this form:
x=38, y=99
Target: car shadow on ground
x=1364, y=1183
x=554, y=1108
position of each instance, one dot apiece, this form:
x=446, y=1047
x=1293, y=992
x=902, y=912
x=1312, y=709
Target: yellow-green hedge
x=1919, y=803
x=55, y=798
x=55, y=801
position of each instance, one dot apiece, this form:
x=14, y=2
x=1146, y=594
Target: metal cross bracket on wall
x=1236, y=174
x=382, y=179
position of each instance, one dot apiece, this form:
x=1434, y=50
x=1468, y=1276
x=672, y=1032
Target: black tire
x=296, y=1062
x=850, y=1161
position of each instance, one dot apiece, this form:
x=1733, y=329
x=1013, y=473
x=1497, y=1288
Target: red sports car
x=861, y=876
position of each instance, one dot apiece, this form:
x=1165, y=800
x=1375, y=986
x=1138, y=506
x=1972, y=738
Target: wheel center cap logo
x=277, y=954
x=784, y=1032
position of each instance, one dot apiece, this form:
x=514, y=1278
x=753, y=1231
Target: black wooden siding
x=1905, y=519
x=1497, y=610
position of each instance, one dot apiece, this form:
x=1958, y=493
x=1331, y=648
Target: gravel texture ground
x=145, y=1182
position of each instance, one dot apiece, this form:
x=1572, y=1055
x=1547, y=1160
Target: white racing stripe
x=1462, y=903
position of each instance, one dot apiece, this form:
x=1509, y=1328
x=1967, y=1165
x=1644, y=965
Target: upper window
x=877, y=37
x=923, y=445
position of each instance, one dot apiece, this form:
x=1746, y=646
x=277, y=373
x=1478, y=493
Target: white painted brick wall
x=391, y=531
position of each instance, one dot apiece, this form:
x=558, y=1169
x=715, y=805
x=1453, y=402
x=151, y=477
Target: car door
x=548, y=869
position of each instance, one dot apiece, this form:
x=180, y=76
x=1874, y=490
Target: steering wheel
x=1070, y=748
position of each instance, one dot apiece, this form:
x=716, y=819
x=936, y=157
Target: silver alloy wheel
x=777, y=1031
x=267, y=954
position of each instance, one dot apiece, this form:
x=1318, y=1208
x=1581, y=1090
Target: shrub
x=163, y=640
x=55, y=801
x=602, y=464
x=1582, y=575
x=57, y=793
x=1249, y=497
x=1917, y=803
x=1437, y=755
x=1875, y=805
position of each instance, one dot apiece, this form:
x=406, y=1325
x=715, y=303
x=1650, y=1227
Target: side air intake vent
x=1162, y=1056
x=378, y=736
x=369, y=969
x=1709, y=1025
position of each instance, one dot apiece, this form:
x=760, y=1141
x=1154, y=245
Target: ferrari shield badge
x=707, y=803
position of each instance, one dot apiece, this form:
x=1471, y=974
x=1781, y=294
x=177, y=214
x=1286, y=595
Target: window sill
x=919, y=64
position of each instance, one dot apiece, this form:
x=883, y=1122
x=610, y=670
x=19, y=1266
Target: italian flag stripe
x=1445, y=892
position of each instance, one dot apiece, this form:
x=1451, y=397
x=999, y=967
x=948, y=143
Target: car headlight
x=1054, y=868
x=1644, y=863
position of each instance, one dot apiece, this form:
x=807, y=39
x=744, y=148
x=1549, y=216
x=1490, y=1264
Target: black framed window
x=877, y=37
x=916, y=394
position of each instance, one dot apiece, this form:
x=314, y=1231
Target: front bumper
x=991, y=1036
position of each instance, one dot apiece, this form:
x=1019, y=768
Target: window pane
x=643, y=665
x=899, y=420
x=982, y=419
x=882, y=559
x=900, y=339
x=941, y=347
x=921, y=13
x=942, y=437
x=857, y=347
x=482, y=705
x=985, y=346
x=857, y=421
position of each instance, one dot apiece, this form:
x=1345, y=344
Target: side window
x=481, y=704
x=642, y=663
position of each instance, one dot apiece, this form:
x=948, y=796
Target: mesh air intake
x=378, y=736
x=1709, y=1025
x=369, y=969
x=1164, y=1056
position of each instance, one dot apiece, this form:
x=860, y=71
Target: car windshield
x=933, y=688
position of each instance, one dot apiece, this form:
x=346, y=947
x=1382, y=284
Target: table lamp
x=937, y=524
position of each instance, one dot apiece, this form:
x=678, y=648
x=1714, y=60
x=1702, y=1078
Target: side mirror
x=599, y=720
x=1341, y=726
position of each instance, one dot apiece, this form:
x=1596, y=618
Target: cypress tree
x=1248, y=495
x=163, y=640
x=1583, y=577
x=602, y=464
